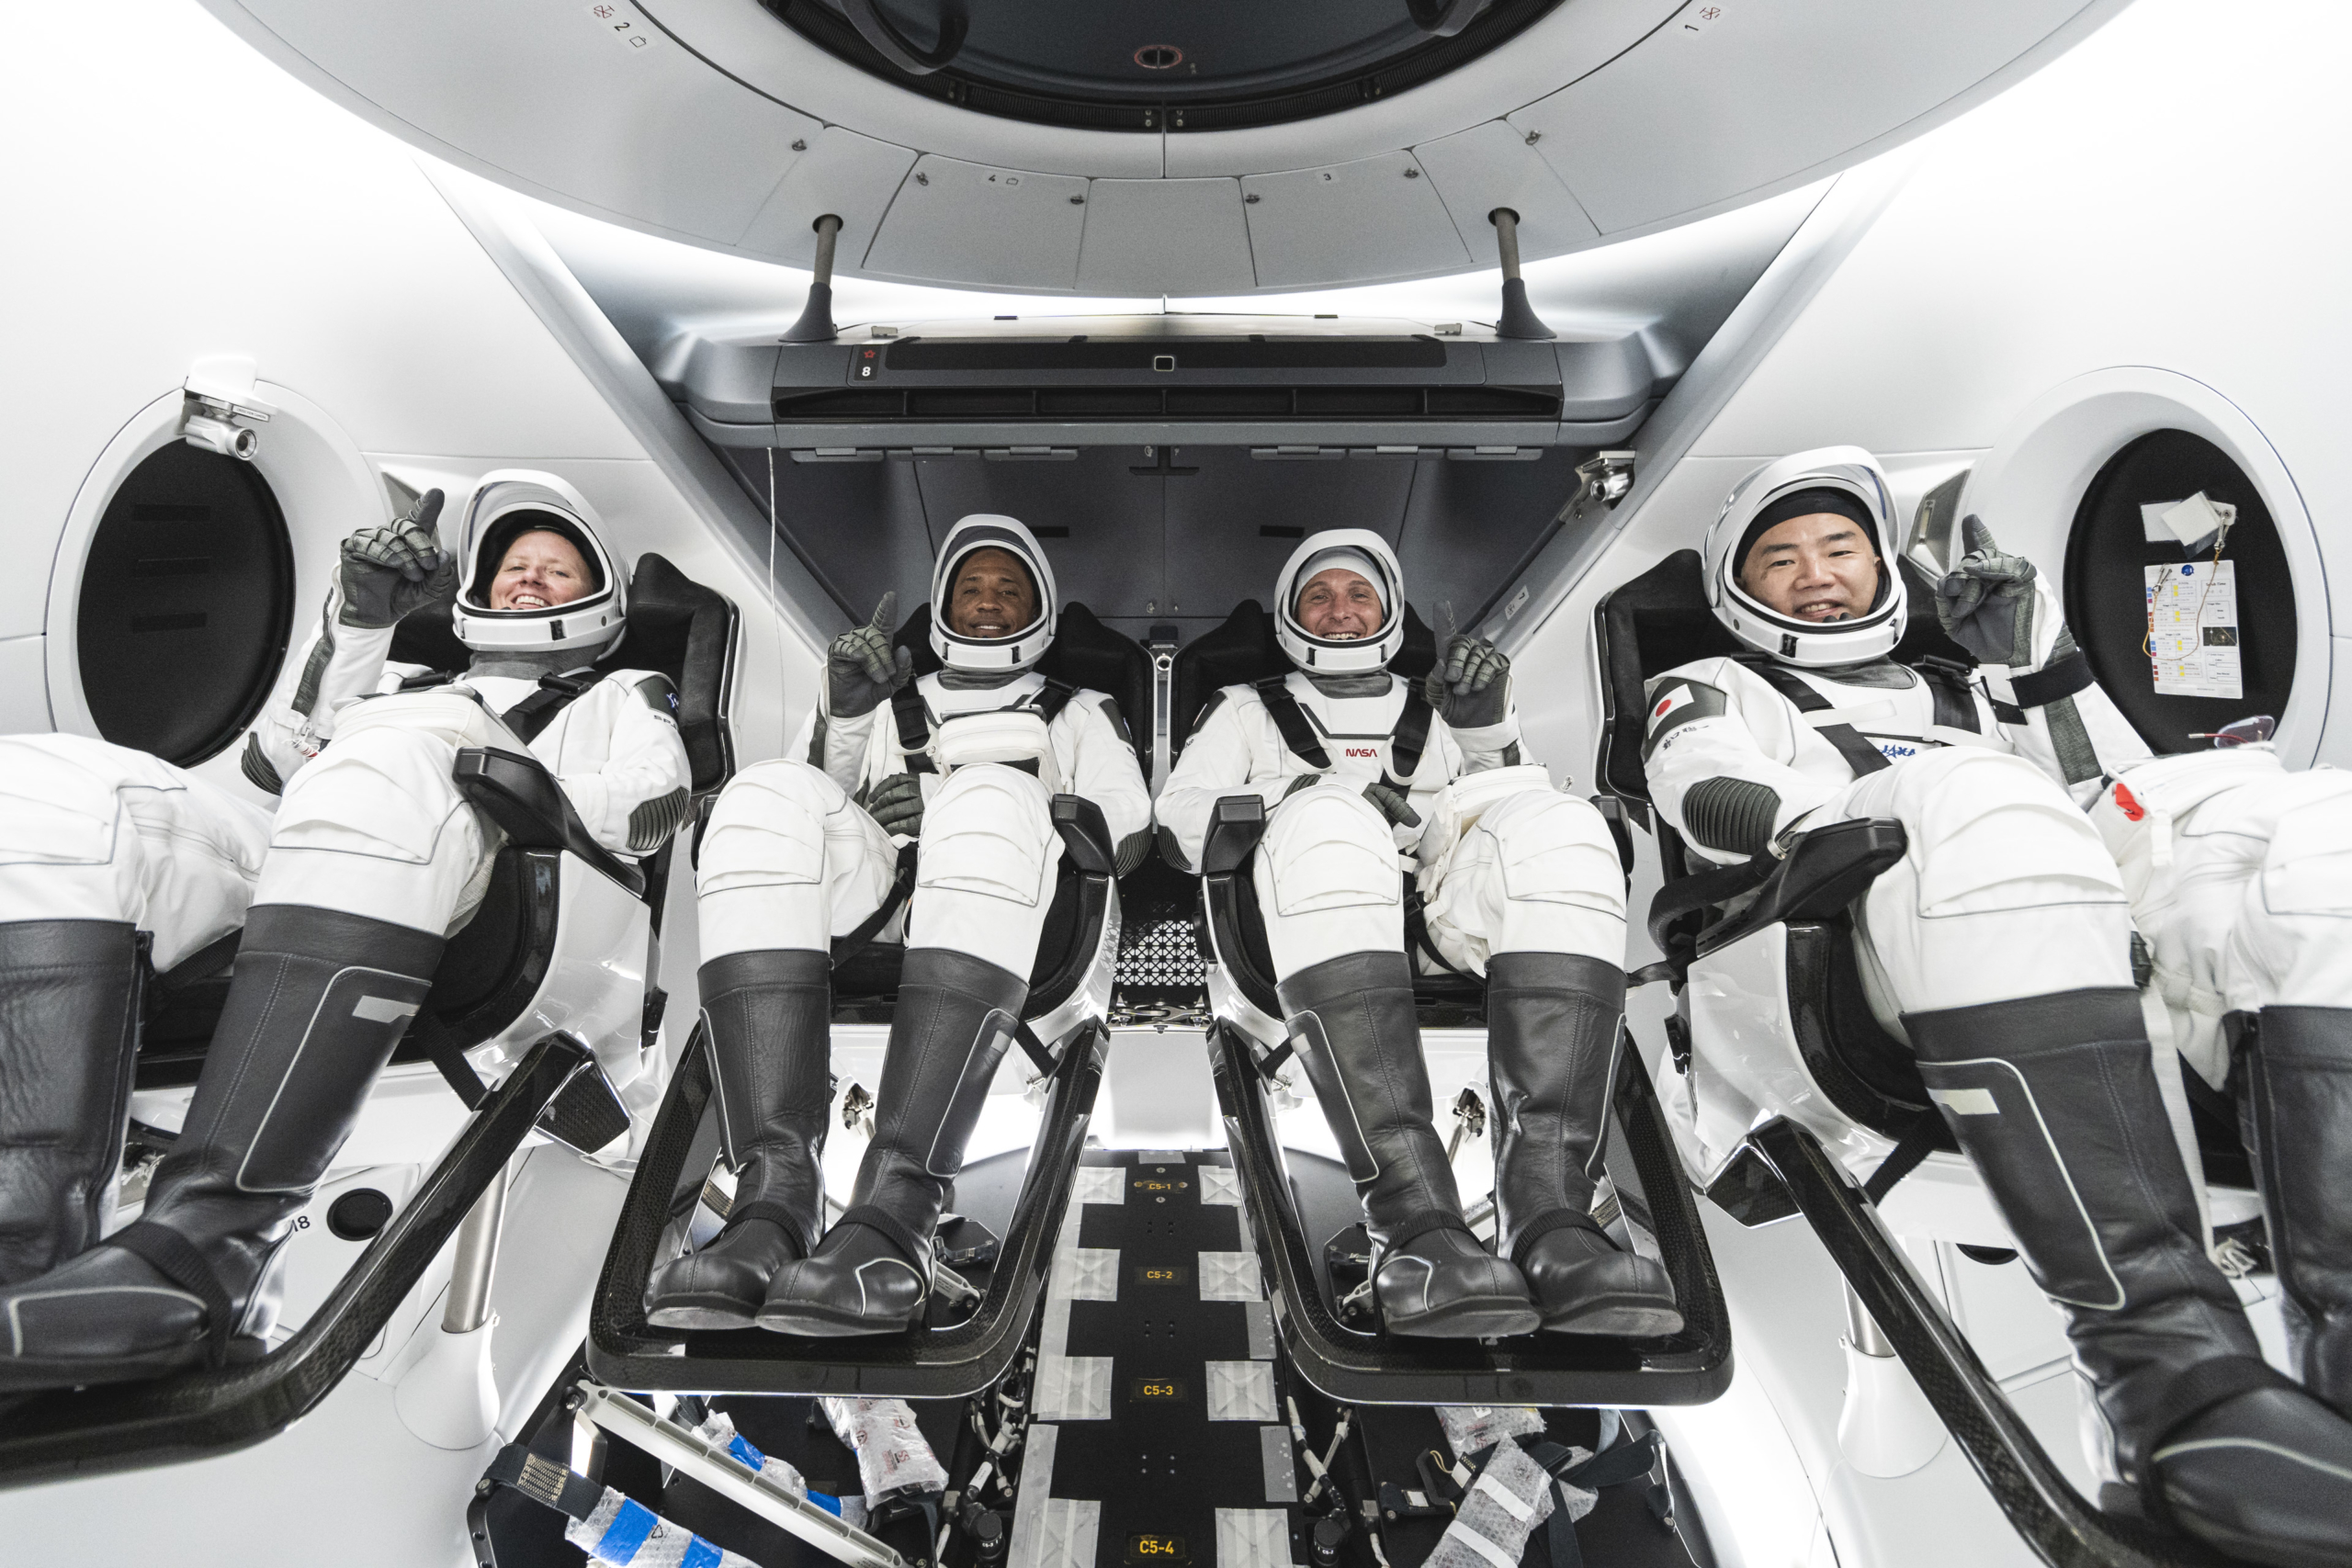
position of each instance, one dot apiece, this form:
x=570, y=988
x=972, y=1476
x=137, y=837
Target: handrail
x=201, y=1414
x=1690, y=1367
x=627, y=1352
x=2051, y=1516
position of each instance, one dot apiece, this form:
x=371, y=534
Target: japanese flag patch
x=1675, y=701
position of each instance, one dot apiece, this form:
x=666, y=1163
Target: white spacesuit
x=964, y=762
x=1367, y=776
x=344, y=899
x=2000, y=947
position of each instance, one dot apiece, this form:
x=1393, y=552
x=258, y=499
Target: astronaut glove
x=396, y=569
x=1470, y=687
x=1986, y=603
x=862, y=669
x=1390, y=802
x=895, y=804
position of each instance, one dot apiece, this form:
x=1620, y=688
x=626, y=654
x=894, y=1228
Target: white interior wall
x=2164, y=196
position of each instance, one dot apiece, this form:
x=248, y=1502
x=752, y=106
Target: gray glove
x=1470, y=688
x=1986, y=603
x=862, y=669
x=391, y=572
x=897, y=805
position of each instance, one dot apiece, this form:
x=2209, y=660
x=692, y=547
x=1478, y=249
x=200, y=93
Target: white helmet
x=1768, y=496
x=506, y=506
x=987, y=531
x=1355, y=548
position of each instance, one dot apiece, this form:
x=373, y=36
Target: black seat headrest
x=1242, y=648
x=675, y=625
x=1660, y=620
x=1085, y=653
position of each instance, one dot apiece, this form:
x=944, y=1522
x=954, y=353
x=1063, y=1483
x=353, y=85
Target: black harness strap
x=1290, y=719
x=176, y=1258
x=845, y=948
x=1860, y=755
x=1405, y=746
x=1955, y=700
x=1917, y=1141
x=1412, y=737
x=914, y=728
x=913, y=718
x=528, y=717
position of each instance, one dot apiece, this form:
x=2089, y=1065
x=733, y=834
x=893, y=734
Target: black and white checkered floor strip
x=1158, y=1435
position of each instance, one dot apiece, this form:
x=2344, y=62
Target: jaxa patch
x=659, y=694
x=1675, y=701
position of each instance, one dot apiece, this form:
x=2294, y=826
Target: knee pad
x=1329, y=848
x=59, y=802
x=990, y=831
x=384, y=792
x=2291, y=941
x=1555, y=849
x=768, y=828
x=1991, y=831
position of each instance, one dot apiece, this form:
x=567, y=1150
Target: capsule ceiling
x=1043, y=157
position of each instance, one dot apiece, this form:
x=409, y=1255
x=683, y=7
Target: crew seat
x=566, y=939
x=1064, y=1034
x=1248, y=1048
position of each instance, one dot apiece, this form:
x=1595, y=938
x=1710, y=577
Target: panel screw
x=1250, y=199
x=1412, y=173
x=1533, y=137
x=801, y=145
x=922, y=179
x=1078, y=202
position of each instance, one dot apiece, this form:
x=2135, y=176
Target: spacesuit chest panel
x=1900, y=722
x=1011, y=723
x=1357, y=733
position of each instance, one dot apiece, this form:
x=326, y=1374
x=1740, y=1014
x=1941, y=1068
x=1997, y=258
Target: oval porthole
x=2181, y=648
x=186, y=602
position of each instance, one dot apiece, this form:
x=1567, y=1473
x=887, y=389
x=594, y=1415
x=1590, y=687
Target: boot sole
x=811, y=1322
x=691, y=1309
x=1476, y=1317
x=1631, y=1318
x=27, y=1374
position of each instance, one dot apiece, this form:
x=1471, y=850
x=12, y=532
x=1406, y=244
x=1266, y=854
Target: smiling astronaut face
x=992, y=596
x=541, y=570
x=1339, y=604
x=1817, y=568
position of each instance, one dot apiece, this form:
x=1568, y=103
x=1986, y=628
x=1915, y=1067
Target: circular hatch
x=1144, y=65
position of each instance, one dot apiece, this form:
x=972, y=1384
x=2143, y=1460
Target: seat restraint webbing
x=1405, y=746
x=1290, y=719
x=528, y=717
x=1860, y=755
x=1954, y=698
x=913, y=718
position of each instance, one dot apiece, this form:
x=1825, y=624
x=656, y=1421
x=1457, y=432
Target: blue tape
x=625, y=1533
x=831, y=1505
x=746, y=1452
x=700, y=1554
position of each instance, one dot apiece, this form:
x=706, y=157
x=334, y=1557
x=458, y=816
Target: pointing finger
x=1974, y=535
x=426, y=511
x=885, y=614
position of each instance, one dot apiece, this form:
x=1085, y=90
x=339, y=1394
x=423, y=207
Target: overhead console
x=1285, y=389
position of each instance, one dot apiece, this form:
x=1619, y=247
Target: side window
x=187, y=605
x=2182, y=648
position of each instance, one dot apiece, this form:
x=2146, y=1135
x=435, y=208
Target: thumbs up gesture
x=1470, y=685
x=862, y=669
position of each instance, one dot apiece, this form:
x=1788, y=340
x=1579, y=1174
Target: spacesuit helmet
x=1025, y=646
x=506, y=506
x=1360, y=550
x=1794, y=485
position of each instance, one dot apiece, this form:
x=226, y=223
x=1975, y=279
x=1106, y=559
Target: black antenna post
x=816, y=323
x=1519, y=319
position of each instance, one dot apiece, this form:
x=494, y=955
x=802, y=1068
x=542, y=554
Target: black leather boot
x=1352, y=1019
x=1552, y=1044
x=2296, y=1107
x=769, y=1015
x=2054, y=1099
x=69, y=1031
x=872, y=1272
x=317, y=1003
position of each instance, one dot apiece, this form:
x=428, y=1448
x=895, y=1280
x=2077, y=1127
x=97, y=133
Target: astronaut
x=964, y=763
x=2000, y=948
x=344, y=898
x=1366, y=776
